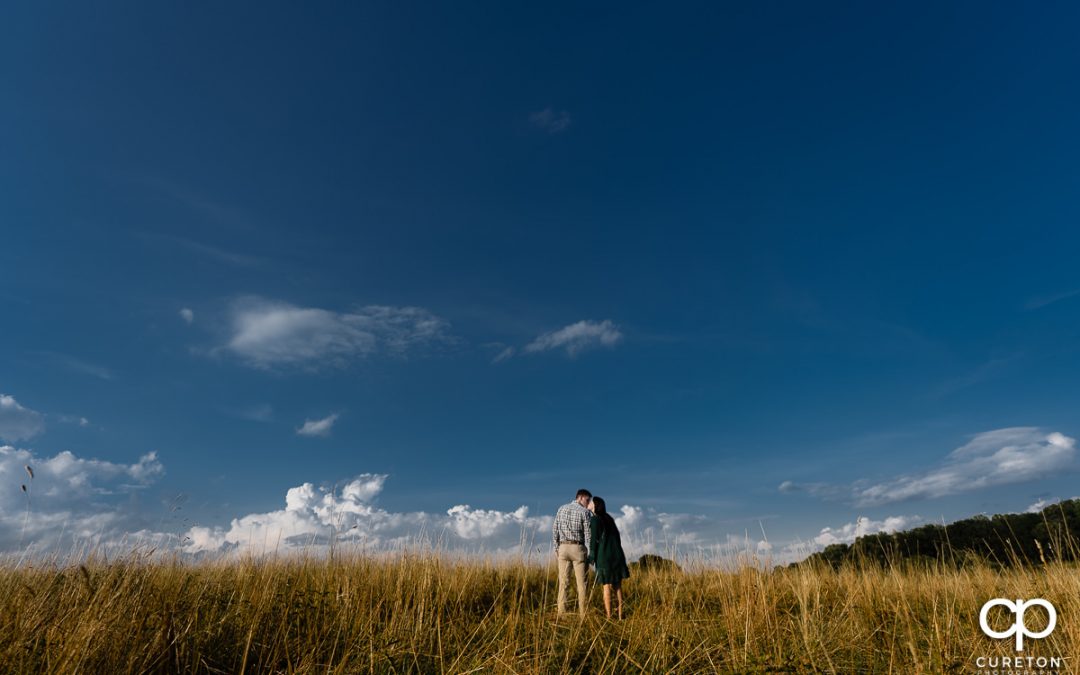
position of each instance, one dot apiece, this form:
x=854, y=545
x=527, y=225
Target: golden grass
x=426, y=613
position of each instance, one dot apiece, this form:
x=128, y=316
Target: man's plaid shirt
x=571, y=524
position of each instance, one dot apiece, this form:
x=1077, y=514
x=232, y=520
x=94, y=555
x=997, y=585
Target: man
x=570, y=535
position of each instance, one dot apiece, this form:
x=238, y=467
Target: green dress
x=605, y=552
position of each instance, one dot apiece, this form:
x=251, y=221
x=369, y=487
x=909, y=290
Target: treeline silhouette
x=1004, y=540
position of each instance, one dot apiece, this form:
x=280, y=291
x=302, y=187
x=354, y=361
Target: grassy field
x=429, y=614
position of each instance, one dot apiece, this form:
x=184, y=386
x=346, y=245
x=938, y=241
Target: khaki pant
x=572, y=555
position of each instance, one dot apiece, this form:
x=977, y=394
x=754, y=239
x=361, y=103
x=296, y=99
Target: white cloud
x=693, y=538
x=795, y=550
x=550, y=120
x=646, y=530
x=469, y=523
x=321, y=428
x=74, y=419
x=71, y=499
x=503, y=355
x=862, y=526
x=18, y=423
x=1037, y=506
x=187, y=315
x=66, y=476
x=78, y=503
x=1041, y=504
x=311, y=514
x=267, y=334
x=577, y=337
x=999, y=457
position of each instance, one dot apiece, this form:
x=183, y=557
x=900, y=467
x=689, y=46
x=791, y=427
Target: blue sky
x=489, y=254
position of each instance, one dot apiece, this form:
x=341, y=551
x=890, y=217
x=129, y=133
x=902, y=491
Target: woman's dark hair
x=607, y=523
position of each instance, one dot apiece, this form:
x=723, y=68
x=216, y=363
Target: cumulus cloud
x=647, y=530
x=577, y=337
x=312, y=515
x=550, y=120
x=697, y=538
x=95, y=503
x=187, y=315
x=863, y=526
x=472, y=524
x=69, y=477
x=999, y=457
x=321, y=428
x=267, y=334
x=71, y=499
x=1037, y=506
x=74, y=419
x=17, y=422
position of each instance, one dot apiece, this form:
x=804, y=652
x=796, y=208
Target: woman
x=605, y=552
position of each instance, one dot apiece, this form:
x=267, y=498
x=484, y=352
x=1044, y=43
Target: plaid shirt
x=571, y=524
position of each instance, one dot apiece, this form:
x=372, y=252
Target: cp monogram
x=1019, y=628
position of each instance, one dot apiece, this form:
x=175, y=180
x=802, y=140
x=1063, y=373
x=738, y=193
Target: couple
x=584, y=534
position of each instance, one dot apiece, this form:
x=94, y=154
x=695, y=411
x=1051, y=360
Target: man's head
x=583, y=497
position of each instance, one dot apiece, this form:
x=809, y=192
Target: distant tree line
x=1004, y=540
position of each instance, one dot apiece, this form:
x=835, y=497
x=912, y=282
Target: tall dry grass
x=427, y=613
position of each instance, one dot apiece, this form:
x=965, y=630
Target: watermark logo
x=1019, y=627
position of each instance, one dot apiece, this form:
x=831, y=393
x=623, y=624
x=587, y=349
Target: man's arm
x=555, y=533
x=588, y=529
